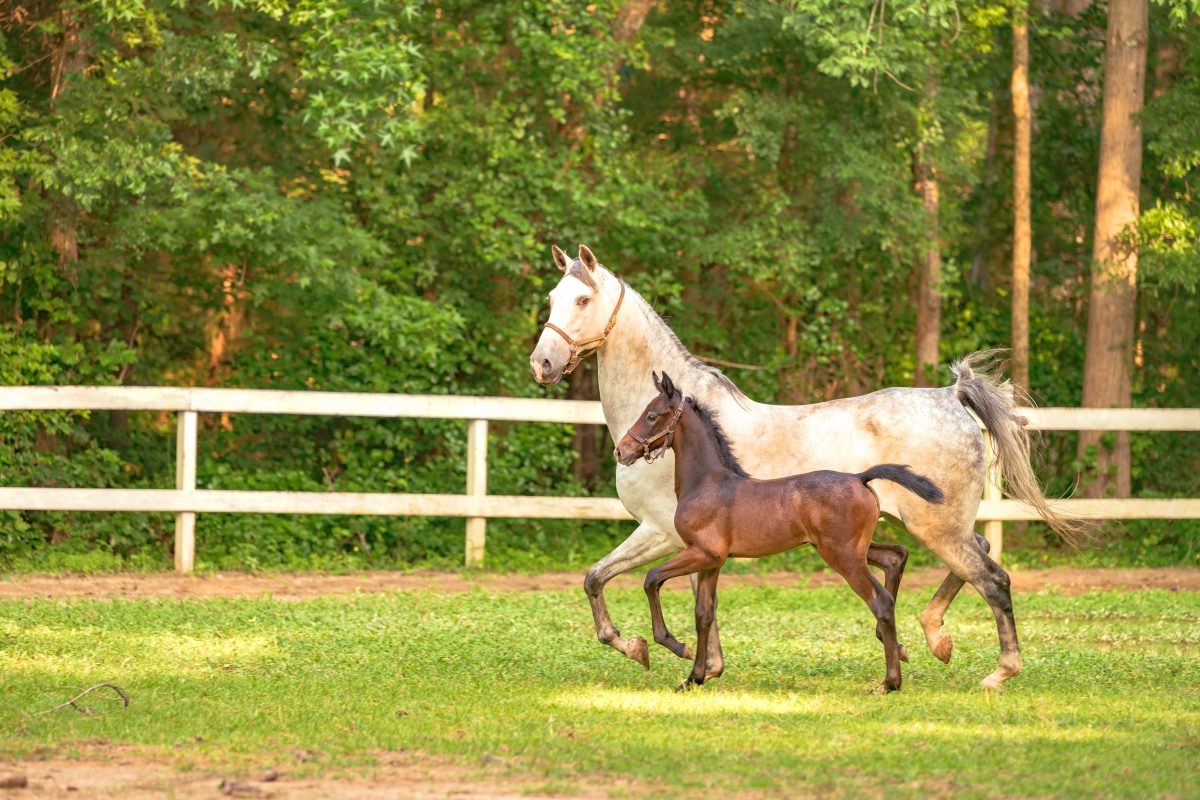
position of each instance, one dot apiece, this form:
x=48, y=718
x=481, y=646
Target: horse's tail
x=901, y=475
x=993, y=398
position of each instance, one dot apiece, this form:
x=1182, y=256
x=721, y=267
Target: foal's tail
x=901, y=475
x=994, y=400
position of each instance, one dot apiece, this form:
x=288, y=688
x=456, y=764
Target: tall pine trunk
x=1107, y=375
x=1022, y=230
x=929, y=263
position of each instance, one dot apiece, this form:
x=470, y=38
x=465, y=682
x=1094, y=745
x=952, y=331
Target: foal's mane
x=709, y=418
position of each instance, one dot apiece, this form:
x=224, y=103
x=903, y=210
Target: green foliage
x=1106, y=705
x=359, y=196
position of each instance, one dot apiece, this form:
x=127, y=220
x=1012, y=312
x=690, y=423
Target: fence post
x=993, y=529
x=477, y=432
x=185, y=480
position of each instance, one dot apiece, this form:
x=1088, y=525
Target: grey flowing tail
x=993, y=398
x=901, y=475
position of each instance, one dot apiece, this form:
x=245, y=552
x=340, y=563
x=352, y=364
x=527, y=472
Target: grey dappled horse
x=927, y=429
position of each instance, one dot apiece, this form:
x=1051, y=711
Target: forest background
x=351, y=195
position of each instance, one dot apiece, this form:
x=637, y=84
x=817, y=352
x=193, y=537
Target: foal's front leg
x=693, y=559
x=706, y=613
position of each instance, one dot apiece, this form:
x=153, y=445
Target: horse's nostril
x=616, y=454
x=546, y=366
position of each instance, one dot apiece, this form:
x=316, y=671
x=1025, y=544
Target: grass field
x=1108, y=704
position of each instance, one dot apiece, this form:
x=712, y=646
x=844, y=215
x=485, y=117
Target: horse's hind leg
x=891, y=558
x=992, y=583
x=940, y=644
x=714, y=660
x=647, y=543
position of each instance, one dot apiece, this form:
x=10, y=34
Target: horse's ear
x=657, y=382
x=668, y=386
x=560, y=257
x=587, y=257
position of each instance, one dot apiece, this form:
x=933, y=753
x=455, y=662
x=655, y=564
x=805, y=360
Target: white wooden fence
x=185, y=501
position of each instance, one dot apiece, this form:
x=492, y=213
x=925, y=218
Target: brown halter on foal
x=582, y=348
x=722, y=512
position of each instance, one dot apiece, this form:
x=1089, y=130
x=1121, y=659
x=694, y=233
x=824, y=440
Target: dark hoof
x=883, y=688
x=943, y=649
x=639, y=651
x=689, y=685
x=903, y=654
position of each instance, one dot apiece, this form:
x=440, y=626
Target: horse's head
x=581, y=315
x=650, y=436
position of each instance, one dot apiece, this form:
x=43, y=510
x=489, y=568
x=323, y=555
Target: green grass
x=1108, y=704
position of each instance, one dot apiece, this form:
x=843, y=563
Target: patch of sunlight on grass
x=697, y=703
x=163, y=653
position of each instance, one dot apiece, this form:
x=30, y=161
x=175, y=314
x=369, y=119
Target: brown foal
x=723, y=512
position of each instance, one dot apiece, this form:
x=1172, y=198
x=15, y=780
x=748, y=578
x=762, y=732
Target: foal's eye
x=651, y=417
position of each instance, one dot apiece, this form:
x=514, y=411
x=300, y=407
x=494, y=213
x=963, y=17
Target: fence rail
x=476, y=505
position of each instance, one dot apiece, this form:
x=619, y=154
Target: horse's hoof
x=943, y=648
x=903, y=654
x=993, y=682
x=687, y=654
x=639, y=651
x=883, y=688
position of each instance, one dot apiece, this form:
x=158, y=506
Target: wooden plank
x=1113, y=419
x=268, y=401
x=187, y=425
x=476, y=528
x=209, y=501
x=1187, y=508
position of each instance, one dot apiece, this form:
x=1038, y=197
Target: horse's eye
x=651, y=417
x=583, y=301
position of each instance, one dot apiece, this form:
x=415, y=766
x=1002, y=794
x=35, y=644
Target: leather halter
x=582, y=348
x=649, y=455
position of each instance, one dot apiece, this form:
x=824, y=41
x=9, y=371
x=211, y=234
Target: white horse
x=928, y=429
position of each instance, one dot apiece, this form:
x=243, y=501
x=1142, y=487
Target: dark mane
x=715, y=373
x=582, y=274
x=710, y=419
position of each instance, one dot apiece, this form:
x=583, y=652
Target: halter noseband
x=649, y=455
x=582, y=348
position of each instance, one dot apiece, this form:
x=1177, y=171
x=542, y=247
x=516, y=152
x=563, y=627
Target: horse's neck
x=696, y=453
x=640, y=344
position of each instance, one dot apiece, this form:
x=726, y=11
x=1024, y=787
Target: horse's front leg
x=647, y=543
x=714, y=660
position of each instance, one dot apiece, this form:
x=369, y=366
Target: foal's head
x=651, y=435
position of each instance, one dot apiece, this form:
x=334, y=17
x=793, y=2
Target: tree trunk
x=1022, y=231
x=1107, y=378
x=929, y=275
x=980, y=273
x=584, y=386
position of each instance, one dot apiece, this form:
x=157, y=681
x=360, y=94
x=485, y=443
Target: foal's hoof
x=942, y=648
x=688, y=685
x=639, y=651
x=687, y=654
x=903, y=653
x=883, y=688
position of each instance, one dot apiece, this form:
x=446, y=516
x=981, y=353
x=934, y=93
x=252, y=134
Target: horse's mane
x=709, y=418
x=691, y=360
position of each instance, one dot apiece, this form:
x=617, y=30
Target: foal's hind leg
x=853, y=568
x=891, y=558
x=940, y=644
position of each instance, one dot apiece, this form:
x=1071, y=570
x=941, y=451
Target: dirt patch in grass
x=115, y=773
x=292, y=586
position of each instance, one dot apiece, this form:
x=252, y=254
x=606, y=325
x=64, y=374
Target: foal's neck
x=697, y=454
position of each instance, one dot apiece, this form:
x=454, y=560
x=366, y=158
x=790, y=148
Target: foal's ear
x=657, y=382
x=588, y=259
x=560, y=257
x=668, y=386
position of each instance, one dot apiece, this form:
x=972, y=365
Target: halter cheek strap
x=669, y=433
x=582, y=348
